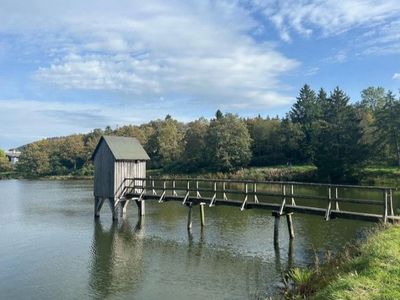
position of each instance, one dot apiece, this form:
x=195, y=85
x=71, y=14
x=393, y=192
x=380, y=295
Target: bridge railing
x=251, y=192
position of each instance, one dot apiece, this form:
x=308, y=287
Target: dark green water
x=51, y=248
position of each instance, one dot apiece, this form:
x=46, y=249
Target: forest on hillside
x=327, y=130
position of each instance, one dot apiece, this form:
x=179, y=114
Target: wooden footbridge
x=282, y=198
x=120, y=176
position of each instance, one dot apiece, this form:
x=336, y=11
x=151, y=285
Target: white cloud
x=396, y=76
x=194, y=50
x=331, y=16
x=376, y=21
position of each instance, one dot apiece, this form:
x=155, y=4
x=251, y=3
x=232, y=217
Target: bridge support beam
x=122, y=208
x=117, y=208
x=189, y=222
x=98, y=203
x=277, y=216
x=202, y=216
x=289, y=220
x=290, y=225
x=141, y=207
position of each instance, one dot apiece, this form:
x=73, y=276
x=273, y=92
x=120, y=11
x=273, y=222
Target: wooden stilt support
x=290, y=225
x=98, y=203
x=121, y=208
x=277, y=216
x=189, y=223
x=202, y=217
x=115, y=207
x=141, y=207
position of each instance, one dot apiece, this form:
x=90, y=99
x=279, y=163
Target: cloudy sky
x=71, y=66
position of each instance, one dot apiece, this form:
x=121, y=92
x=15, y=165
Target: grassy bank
x=377, y=175
x=370, y=270
x=372, y=175
x=275, y=173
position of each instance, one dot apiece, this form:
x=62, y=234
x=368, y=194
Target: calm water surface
x=51, y=248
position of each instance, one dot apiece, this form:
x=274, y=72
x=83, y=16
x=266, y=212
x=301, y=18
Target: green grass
x=381, y=175
x=365, y=270
x=373, y=274
x=275, y=173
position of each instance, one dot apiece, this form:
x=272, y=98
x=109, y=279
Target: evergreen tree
x=339, y=152
x=306, y=111
x=388, y=126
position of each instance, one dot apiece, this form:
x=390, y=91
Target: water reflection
x=117, y=259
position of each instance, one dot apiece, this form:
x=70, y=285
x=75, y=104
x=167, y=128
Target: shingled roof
x=123, y=148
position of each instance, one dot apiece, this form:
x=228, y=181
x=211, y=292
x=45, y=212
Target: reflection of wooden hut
x=116, y=158
x=117, y=260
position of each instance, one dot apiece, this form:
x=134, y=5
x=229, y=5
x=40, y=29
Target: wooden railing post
x=391, y=202
x=292, y=194
x=336, y=198
x=385, y=206
x=223, y=190
x=328, y=209
x=283, y=199
x=255, y=192
x=197, y=189
x=153, y=187
x=173, y=188
x=246, y=191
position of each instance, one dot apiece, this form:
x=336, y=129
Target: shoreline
x=371, y=175
x=366, y=269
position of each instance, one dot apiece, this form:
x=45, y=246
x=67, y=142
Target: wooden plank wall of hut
x=127, y=169
x=104, y=172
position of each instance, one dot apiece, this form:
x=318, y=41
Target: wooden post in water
x=141, y=208
x=98, y=203
x=290, y=225
x=124, y=205
x=189, y=223
x=277, y=216
x=202, y=217
x=115, y=208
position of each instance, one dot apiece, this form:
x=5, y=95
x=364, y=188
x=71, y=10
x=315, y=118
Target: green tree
x=165, y=143
x=131, y=131
x=195, y=154
x=266, y=146
x=387, y=125
x=5, y=165
x=291, y=137
x=339, y=152
x=373, y=98
x=34, y=160
x=228, y=143
x=72, y=152
x=306, y=111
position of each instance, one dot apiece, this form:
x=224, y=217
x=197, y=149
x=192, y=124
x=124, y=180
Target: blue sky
x=71, y=66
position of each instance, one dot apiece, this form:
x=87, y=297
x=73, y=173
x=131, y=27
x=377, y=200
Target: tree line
x=326, y=130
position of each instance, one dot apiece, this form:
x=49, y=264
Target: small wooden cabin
x=116, y=158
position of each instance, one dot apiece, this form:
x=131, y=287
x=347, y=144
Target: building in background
x=13, y=155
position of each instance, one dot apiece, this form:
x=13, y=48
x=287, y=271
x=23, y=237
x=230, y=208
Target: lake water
x=51, y=247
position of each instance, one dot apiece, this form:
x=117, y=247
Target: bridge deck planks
x=273, y=206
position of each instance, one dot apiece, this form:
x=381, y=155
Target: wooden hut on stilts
x=116, y=158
